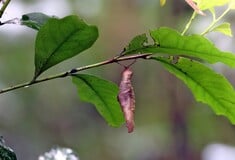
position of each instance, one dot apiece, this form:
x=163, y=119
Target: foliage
x=212, y=89
x=223, y=28
x=185, y=56
x=60, y=39
x=101, y=93
x=170, y=42
x=6, y=153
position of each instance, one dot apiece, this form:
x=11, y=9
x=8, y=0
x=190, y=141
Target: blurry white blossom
x=59, y=154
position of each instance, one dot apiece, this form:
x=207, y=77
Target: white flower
x=59, y=154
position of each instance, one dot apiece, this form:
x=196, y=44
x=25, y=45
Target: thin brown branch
x=74, y=71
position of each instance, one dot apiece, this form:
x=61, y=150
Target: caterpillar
x=126, y=98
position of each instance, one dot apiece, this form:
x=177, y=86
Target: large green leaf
x=170, y=42
x=61, y=39
x=34, y=20
x=206, y=85
x=101, y=93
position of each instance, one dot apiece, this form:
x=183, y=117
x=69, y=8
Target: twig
x=73, y=71
x=5, y=4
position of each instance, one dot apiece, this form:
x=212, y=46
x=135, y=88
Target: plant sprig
x=209, y=6
x=76, y=70
x=215, y=21
x=59, y=39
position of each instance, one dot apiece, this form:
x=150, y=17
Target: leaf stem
x=208, y=29
x=73, y=71
x=5, y=4
x=189, y=23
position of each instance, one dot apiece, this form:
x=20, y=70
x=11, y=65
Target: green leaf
x=206, y=4
x=101, y=93
x=61, y=39
x=206, y=85
x=170, y=42
x=136, y=43
x=6, y=153
x=223, y=28
x=34, y=20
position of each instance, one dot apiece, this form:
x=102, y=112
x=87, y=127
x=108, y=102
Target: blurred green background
x=170, y=125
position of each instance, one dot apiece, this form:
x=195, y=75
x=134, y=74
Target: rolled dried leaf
x=126, y=98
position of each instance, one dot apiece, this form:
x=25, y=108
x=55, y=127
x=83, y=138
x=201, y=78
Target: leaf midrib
x=173, y=50
x=58, y=47
x=89, y=85
x=177, y=51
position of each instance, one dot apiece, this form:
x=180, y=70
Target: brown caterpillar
x=126, y=98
